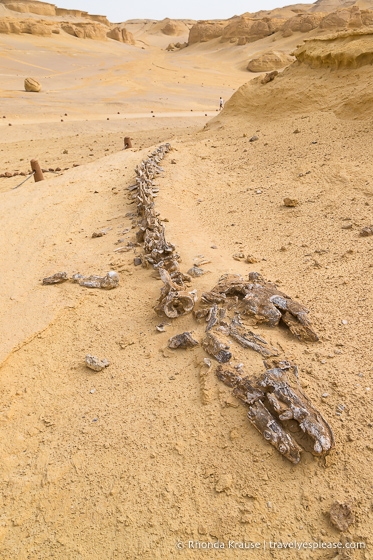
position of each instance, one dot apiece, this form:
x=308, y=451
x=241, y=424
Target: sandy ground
x=129, y=462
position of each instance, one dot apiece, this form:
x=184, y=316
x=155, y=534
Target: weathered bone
x=258, y=414
x=303, y=332
x=216, y=348
x=264, y=301
x=248, y=339
x=184, y=340
x=174, y=302
x=57, y=278
x=107, y=282
x=291, y=403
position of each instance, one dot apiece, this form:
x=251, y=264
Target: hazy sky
x=118, y=11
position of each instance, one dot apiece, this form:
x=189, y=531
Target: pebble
x=366, y=232
x=344, y=322
x=94, y=363
x=258, y=191
x=325, y=395
x=291, y=202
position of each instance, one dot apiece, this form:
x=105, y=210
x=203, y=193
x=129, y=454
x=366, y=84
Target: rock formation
x=85, y=30
x=122, y=35
x=268, y=61
x=204, y=31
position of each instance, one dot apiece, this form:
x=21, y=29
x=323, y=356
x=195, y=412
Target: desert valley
x=152, y=455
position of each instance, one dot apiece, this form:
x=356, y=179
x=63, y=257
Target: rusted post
x=127, y=142
x=38, y=174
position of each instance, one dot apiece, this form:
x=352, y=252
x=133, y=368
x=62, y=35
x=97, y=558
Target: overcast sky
x=117, y=10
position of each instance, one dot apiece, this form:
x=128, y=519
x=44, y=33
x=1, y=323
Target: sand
x=136, y=462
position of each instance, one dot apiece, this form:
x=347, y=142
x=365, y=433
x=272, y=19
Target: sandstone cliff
x=309, y=84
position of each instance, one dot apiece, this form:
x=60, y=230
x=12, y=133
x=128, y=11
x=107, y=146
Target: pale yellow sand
x=128, y=462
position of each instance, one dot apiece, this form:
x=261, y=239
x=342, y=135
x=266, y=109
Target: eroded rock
x=32, y=85
x=95, y=364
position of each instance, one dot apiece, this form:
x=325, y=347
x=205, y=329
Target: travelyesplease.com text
x=268, y=545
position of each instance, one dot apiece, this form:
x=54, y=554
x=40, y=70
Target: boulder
x=268, y=61
x=32, y=85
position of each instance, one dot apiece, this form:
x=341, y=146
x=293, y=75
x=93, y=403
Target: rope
x=27, y=178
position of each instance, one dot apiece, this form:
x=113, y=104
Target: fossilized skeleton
x=272, y=399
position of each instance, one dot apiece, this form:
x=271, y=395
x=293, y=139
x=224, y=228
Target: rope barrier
x=27, y=178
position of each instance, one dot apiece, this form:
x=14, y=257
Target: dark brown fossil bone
x=173, y=302
x=291, y=403
x=217, y=348
x=248, y=339
x=258, y=414
x=264, y=301
x=184, y=340
x=271, y=398
x=55, y=279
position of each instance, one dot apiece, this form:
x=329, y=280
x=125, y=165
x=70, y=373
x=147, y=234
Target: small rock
x=194, y=272
x=291, y=202
x=98, y=234
x=296, y=131
x=239, y=256
x=344, y=322
x=367, y=231
x=254, y=138
x=137, y=261
x=95, y=364
x=173, y=161
x=251, y=259
x=269, y=77
x=161, y=327
x=341, y=516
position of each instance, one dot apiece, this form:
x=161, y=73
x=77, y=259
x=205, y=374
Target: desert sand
x=150, y=454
